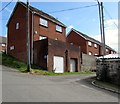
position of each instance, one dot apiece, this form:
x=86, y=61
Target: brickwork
x=17, y=38
x=77, y=38
x=53, y=48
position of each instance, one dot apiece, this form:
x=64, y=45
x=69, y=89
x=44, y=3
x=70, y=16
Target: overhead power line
x=5, y=6
x=73, y=8
x=110, y=16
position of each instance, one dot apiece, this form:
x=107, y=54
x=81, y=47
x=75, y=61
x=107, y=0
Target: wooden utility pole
x=28, y=37
x=103, y=31
x=99, y=7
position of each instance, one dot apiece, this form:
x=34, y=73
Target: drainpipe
x=32, y=44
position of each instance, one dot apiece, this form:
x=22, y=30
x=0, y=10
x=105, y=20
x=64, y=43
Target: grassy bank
x=12, y=62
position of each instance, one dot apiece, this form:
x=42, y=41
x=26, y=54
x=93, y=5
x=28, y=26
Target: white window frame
x=95, y=45
x=89, y=43
x=42, y=37
x=3, y=45
x=17, y=25
x=12, y=47
x=90, y=53
x=43, y=22
x=107, y=50
x=58, y=28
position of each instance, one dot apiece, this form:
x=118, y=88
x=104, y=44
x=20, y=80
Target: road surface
x=22, y=87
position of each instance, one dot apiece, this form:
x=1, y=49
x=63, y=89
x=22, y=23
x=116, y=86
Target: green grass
x=53, y=74
x=12, y=62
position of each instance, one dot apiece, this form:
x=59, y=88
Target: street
x=23, y=87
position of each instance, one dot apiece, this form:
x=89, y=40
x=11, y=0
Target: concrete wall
x=88, y=63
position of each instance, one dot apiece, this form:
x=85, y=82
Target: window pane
x=17, y=25
x=3, y=45
x=95, y=45
x=106, y=50
x=12, y=48
x=43, y=22
x=42, y=37
x=59, y=28
x=90, y=53
x=89, y=43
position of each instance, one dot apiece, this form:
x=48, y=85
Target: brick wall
x=77, y=40
x=51, y=48
x=49, y=31
x=17, y=37
x=93, y=49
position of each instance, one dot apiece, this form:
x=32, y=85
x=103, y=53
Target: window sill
x=43, y=26
x=59, y=31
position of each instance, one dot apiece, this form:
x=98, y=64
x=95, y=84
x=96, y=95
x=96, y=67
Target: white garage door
x=72, y=65
x=58, y=64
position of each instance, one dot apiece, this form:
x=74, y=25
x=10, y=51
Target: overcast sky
x=85, y=20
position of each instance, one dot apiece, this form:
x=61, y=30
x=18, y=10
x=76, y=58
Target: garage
x=58, y=64
x=73, y=65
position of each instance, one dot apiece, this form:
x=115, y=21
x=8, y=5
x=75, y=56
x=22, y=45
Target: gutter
x=109, y=89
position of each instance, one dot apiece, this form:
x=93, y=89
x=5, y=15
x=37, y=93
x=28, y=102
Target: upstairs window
x=17, y=25
x=107, y=50
x=90, y=43
x=58, y=28
x=44, y=22
x=95, y=45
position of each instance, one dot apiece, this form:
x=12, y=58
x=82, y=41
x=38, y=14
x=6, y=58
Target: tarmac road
x=22, y=87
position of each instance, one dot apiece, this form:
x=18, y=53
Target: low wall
x=108, y=70
x=88, y=63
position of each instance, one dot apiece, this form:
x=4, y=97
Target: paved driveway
x=22, y=87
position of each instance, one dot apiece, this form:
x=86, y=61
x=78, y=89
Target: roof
x=89, y=38
x=2, y=39
x=110, y=56
x=39, y=12
x=86, y=37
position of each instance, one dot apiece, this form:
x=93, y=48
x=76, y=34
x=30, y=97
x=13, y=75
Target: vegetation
x=107, y=85
x=12, y=62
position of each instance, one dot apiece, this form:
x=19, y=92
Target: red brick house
x=88, y=45
x=49, y=51
x=3, y=44
x=43, y=28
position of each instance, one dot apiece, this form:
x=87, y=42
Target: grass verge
x=107, y=85
x=12, y=62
